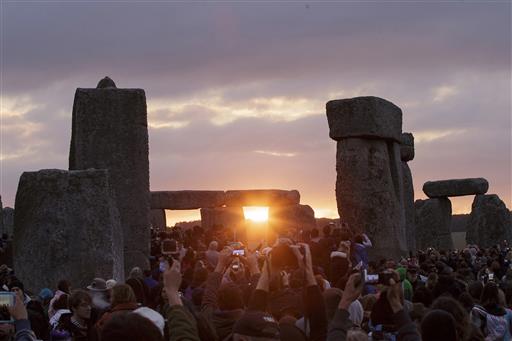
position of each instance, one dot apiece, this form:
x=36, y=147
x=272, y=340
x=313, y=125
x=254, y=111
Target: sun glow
x=256, y=213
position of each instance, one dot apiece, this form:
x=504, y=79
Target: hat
x=4, y=270
x=153, y=316
x=98, y=284
x=45, y=294
x=110, y=283
x=258, y=324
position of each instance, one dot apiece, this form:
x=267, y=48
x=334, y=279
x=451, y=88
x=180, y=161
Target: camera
x=239, y=252
x=7, y=299
x=283, y=257
x=382, y=278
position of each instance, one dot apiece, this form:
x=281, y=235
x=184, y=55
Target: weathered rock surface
x=187, y=200
x=1, y=215
x=410, y=228
x=455, y=187
x=407, y=147
x=369, y=193
x=433, y=222
x=66, y=226
x=109, y=131
x=8, y=221
x=262, y=197
x=158, y=219
x=489, y=222
x=292, y=218
x=364, y=117
x=227, y=217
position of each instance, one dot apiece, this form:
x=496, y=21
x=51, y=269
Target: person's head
x=16, y=286
x=122, y=293
x=230, y=297
x=45, y=295
x=422, y=295
x=358, y=239
x=327, y=230
x=438, y=325
x=64, y=285
x=80, y=304
x=61, y=302
x=457, y=311
x=136, y=272
x=475, y=289
x=314, y=233
x=213, y=246
x=412, y=274
x=256, y=326
x=130, y=327
x=490, y=295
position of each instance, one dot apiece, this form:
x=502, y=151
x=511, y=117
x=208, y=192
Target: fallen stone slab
x=455, y=187
x=186, y=200
x=66, y=226
x=364, y=117
x=489, y=222
x=262, y=197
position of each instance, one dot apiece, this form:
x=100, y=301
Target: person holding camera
x=257, y=324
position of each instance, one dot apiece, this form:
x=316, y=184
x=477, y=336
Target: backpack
x=494, y=327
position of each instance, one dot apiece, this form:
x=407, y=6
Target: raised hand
x=353, y=290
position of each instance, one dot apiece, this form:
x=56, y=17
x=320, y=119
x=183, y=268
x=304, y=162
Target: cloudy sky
x=236, y=91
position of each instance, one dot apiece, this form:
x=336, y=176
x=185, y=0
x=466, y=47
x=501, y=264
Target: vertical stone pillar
x=290, y=219
x=66, y=226
x=229, y=217
x=433, y=223
x=8, y=220
x=490, y=221
x=407, y=154
x=110, y=131
x=1, y=216
x=369, y=183
x=158, y=219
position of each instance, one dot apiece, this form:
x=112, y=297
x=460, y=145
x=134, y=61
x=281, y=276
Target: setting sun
x=256, y=213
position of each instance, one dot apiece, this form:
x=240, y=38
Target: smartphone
x=8, y=299
x=491, y=277
x=239, y=252
x=370, y=278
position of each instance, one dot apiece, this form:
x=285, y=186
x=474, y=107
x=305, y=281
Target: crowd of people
x=202, y=285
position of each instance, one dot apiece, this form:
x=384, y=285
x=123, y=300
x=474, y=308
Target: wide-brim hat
x=98, y=284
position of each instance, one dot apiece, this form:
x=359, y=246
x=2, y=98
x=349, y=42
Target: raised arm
x=182, y=325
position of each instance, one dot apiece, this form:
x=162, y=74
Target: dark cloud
x=447, y=65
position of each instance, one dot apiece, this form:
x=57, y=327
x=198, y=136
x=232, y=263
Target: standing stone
x=433, y=222
x=158, y=219
x=293, y=219
x=489, y=222
x=227, y=217
x=407, y=154
x=8, y=220
x=66, y=226
x=110, y=131
x=369, y=183
x=1, y=216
